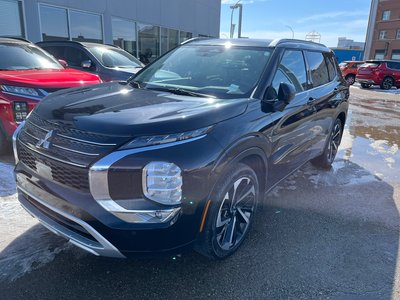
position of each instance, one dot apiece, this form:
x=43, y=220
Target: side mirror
x=63, y=63
x=286, y=92
x=86, y=64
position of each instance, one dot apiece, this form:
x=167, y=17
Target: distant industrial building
x=383, y=34
x=345, y=43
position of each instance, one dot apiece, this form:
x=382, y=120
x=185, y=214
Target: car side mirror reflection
x=86, y=64
x=63, y=63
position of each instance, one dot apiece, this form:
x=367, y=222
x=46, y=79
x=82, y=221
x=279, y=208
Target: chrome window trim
x=106, y=249
x=98, y=172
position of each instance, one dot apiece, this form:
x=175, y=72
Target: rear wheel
x=387, y=83
x=326, y=159
x=365, y=85
x=231, y=213
x=350, y=79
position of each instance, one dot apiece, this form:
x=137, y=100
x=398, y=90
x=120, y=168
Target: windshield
x=224, y=72
x=115, y=58
x=25, y=57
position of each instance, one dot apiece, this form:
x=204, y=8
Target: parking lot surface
x=321, y=234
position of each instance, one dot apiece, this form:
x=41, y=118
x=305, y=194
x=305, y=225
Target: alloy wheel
x=235, y=213
x=334, y=142
x=387, y=83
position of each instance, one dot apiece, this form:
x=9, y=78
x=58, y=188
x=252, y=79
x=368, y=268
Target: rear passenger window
x=292, y=69
x=318, y=69
x=331, y=67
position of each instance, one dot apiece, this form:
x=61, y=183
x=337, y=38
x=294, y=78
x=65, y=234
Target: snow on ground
x=24, y=244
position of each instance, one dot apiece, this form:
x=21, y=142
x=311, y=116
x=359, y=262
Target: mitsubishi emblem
x=46, y=142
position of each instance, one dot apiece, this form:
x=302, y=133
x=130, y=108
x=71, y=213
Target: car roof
x=14, y=40
x=84, y=44
x=271, y=43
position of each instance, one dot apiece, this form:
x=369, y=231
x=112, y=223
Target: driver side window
x=292, y=70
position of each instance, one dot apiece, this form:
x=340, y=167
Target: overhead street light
x=232, y=31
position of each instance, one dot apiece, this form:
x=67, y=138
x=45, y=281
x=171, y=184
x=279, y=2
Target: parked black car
x=110, y=62
x=182, y=154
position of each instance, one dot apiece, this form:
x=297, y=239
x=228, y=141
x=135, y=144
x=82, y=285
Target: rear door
x=325, y=89
x=291, y=136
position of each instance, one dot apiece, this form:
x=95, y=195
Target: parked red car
x=349, y=70
x=385, y=73
x=28, y=74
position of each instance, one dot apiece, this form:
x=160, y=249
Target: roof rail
x=76, y=42
x=16, y=38
x=197, y=38
x=276, y=42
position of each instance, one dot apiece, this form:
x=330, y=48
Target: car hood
x=63, y=78
x=117, y=108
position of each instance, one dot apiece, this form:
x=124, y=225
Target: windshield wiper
x=180, y=91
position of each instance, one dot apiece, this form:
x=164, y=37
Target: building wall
x=145, y=28
x=388, y=47
x=348, y=54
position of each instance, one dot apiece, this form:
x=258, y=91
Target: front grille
x=71, y=176
x=70, y=152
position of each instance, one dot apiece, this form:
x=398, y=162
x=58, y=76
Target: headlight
x=144, y=141
x=21, y=91
x=162, y=182
x=20, y=111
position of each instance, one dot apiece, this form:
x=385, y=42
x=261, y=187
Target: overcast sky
x=270, y=18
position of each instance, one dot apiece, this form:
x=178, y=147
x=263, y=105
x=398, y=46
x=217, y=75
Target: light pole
x=233, y=7
x=291, y=29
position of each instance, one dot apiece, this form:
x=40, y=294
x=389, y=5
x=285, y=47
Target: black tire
x=325, y=160
x=365, y=85
x=387, y=83
x=351, y=78
x=226, y=225
x=4, y=144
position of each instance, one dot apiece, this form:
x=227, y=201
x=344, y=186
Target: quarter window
x=291, y=70
x=331, y=67
x=318, y=68
x=393, y=65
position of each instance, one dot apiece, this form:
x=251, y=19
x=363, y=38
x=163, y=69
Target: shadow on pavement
x=316, y=241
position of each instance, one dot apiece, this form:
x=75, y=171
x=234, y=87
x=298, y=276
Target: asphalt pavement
x=320, y=235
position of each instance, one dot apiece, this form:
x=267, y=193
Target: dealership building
x=135, y=25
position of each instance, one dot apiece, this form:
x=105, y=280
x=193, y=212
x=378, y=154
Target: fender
x=254, y=144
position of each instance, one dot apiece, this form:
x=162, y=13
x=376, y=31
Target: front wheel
x=231, y=213
x=326, y=159
x=350, y=79
x=387, y=83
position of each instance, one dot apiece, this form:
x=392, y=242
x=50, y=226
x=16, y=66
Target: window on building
x=396, y=54
x=149, y=42
x=398, y=34
x=169, y=39
x=379, y=54
x=86, y=27
x=292, y=69
x=383, y=35
x=386, y=15
x=318, y=68
x=11, y=18
x=184, y=36
x=124, y=35
x=54, y=23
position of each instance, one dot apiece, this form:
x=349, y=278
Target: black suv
x=110, y=62
x=182, y=154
